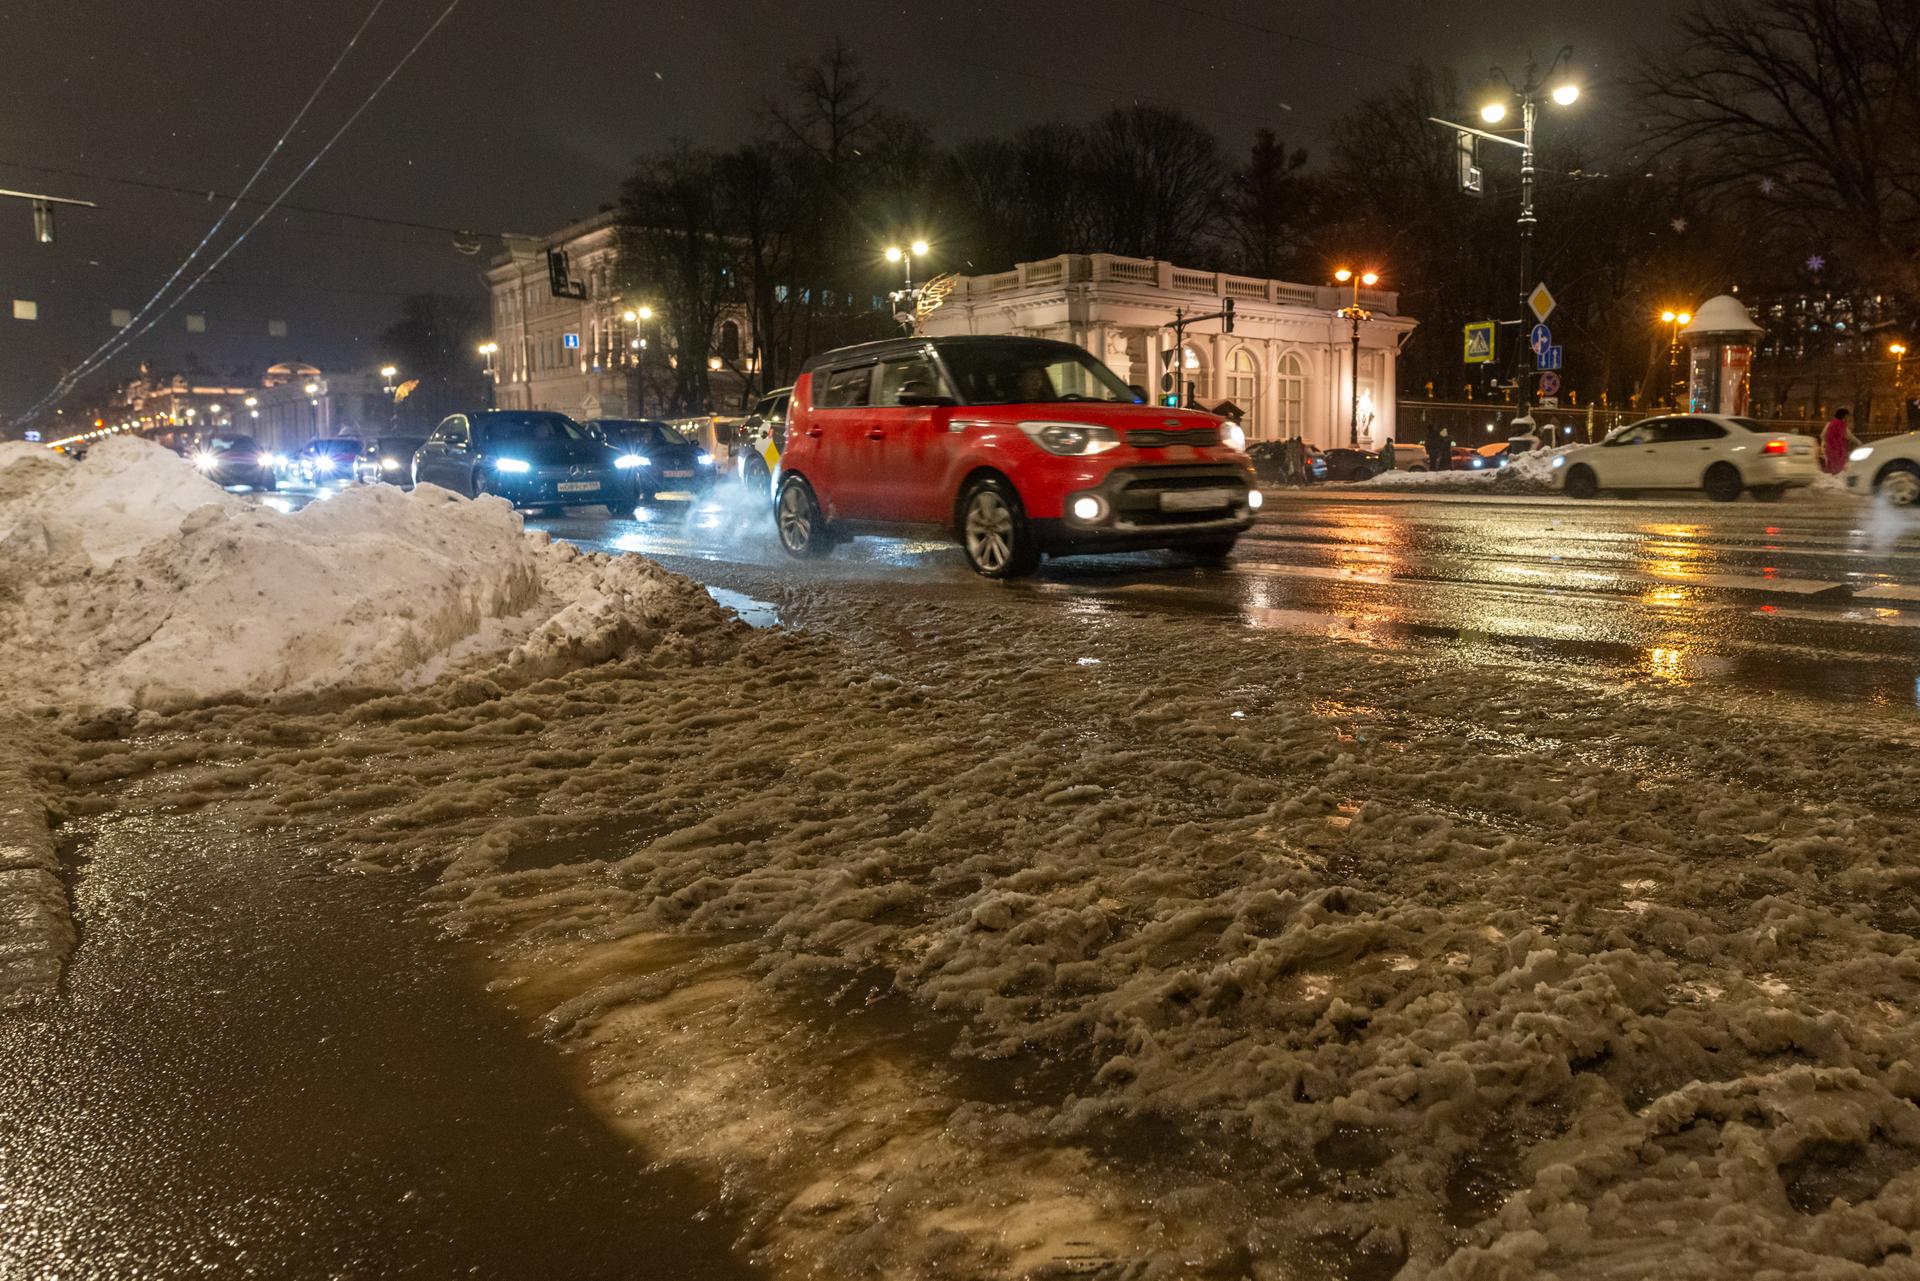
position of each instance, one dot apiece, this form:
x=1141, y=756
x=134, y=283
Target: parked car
x=237, y=460
x=1889, y=469
x=1722, y=455
x=1350, y=464
x=531, y=458
x=658, y=458
x=327, y=458
x=763, y=438
x=387, y=459
x=1017, y=447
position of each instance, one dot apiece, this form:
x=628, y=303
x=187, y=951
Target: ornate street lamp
x=1355, y=313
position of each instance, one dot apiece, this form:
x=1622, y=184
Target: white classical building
x=1287, y=366
x=577, y=355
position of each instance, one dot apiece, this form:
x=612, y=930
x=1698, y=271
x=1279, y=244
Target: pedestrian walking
x=1386, y=455
x=1837, y=441
x=1296, y=461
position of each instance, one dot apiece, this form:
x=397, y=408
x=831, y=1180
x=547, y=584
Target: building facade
x=1287, y=367
x=582, y=356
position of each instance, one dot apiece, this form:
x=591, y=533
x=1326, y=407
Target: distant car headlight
x=1557, y=463
x=705, y=460
x=514, y=465
x=1478, y=462
x=1861, y=454
x=633, y=460
x=1071, y=439
x=271, y=460
x=389, y=464
x=324, y=462
x=205, y=461
x=1234, y=436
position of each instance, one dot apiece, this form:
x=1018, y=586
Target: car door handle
x=814, y=432
x=876, y=433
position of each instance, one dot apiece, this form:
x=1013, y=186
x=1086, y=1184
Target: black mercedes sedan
x=236, y=460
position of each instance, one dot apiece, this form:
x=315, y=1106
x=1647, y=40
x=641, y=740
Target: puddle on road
x=755, y=613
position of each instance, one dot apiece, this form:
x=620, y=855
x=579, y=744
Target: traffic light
x=559, y=276
x=1226, y=317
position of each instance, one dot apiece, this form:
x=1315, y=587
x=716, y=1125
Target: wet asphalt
x=1814, y=596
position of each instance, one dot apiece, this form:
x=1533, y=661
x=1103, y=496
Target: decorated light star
x=1679, y=224
x=1816, y=263
x=1767, y=186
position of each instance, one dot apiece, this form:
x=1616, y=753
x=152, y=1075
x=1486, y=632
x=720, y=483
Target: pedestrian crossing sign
x=1479, y=349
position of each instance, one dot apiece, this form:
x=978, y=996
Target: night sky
x=519, y=116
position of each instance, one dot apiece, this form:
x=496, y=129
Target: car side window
x=847, y=388
x=457, y=434
x=1679, y=429
x=776, y=409
x=908, y=376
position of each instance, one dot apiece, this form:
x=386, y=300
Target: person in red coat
x=1836, y=442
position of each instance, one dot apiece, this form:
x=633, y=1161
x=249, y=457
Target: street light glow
x=919, y=248
x=1686, y=317
x=488, y=348
x=1371, y=278
x=1566, y=94
x=893, y=253
x=1896, y=349
x=314, y=388
x=252, y=401
x=629, y=315
x=386, y=371
x=1668, y=317
x=1342, y=275
x=1494, y=112
x=646, y=313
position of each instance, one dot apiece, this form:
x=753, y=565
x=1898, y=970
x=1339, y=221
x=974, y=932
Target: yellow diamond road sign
x=1541, y=301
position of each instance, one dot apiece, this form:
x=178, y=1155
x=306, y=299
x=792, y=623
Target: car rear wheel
x=1899, y=484
x=994, y=531
x=802, y=530
x=1722, y=482
x=1582, y=483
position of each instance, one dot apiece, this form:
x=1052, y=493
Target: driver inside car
x=1033, y=385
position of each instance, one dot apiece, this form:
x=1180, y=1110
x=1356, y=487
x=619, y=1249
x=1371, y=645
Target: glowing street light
x=1674, y=320
x=487, y=349
x=905, y=257
x=1355, y=313
x=1494, y=112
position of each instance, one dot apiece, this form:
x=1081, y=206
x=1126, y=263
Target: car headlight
x=1861, y=454
x=271, y=460
x=513, y=465
x=633, y=460
x=390, y=464
x=205, y=461
x=1558, y=463
x=1071, y=439
x=705, y=460
x=1234, y=437
x=324, y=462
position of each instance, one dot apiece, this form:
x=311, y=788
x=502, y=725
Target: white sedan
x=1889, y=468
x=1717, y=453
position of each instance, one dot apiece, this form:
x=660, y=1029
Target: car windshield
x=1018, y=372
x=340, y=447
x=228, y=444
x=528, y=428
x=642, y=431
x=391, y=445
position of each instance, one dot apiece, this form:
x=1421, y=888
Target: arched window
x=1243, y=383
x=730, y=343
x=1290, y=387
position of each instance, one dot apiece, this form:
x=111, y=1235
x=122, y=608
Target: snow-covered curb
x=36, y=926
x=1529, y=473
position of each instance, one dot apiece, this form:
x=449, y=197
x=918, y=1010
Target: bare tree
x=1158, y=181
x=433, y=342
x=1269, y=209
x=1805, y=112
x=673, y=247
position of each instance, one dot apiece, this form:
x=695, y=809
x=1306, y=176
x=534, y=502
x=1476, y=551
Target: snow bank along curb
x=1528, y=473
x=36, y=927
x=132, y=581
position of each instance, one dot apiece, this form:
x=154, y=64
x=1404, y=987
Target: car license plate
x=676, y=475
x=578, y=486
x=1193, y=500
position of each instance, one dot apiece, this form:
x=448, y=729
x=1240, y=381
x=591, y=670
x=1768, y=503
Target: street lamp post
x=1673, y=321
x=1355, y=313
x=905, y=257
x=387, y=374
x=635, y=346
x=1898, y=350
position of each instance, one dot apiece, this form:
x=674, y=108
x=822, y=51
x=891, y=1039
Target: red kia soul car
x=1018, y=446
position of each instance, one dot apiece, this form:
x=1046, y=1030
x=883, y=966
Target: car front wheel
x=1582, y=483
x=1722, y=482
x=802, y=530
x=1899, y=484
x=994, y=531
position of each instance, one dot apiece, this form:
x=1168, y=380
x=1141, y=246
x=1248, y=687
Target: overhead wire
x=128, y=334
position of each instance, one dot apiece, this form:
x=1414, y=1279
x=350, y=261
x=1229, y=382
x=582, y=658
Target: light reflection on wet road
x=1815, y=595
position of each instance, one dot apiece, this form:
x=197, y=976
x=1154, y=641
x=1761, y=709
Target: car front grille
x=1153, y=438
x=1136, y=501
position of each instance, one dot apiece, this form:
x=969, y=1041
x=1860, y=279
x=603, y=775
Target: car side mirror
x=922, y=399
x=1139, y=392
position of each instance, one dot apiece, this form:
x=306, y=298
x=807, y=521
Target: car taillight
x=1774, y=447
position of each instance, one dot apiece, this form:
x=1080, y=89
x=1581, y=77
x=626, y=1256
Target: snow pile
x=130, y=580
x=1531, y=472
